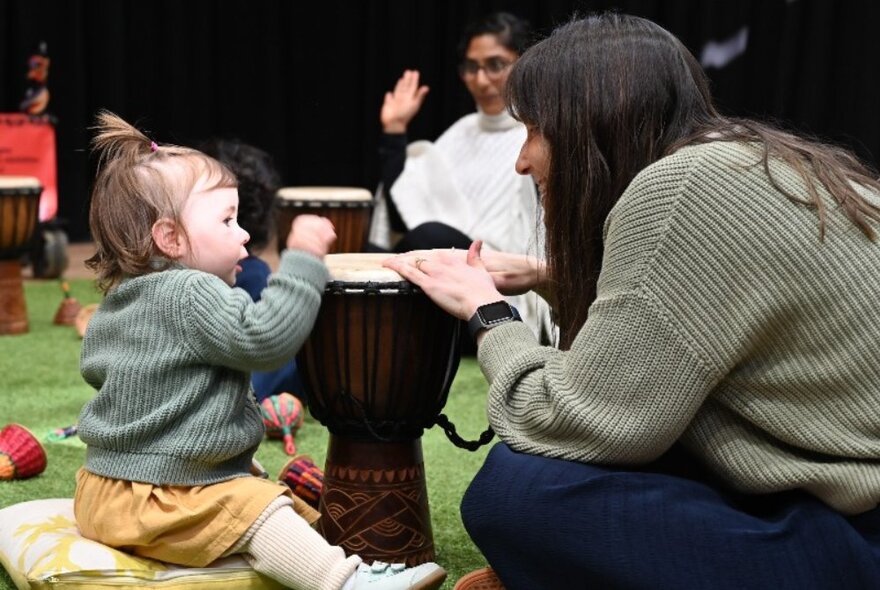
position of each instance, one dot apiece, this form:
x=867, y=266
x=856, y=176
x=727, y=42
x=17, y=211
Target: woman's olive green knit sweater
x=721, y=320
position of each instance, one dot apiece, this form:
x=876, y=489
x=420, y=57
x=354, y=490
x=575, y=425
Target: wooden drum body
x=19, y=204
x=378, y=367
x=350, y=210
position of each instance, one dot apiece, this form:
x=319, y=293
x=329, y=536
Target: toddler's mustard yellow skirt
x=190, y=526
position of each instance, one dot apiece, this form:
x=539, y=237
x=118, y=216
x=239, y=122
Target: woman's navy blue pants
x=551, y=524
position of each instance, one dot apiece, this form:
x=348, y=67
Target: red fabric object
x=27, y=148
x=304, y=478
x=21, y=454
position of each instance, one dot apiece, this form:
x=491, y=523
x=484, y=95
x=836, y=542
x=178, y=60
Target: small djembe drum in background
x=377, y=368
x=21, y=454
x=19, y=203
x=349, y=209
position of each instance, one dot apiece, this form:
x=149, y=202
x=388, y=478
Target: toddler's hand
x=312, y=234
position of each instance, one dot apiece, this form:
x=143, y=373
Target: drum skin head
x=361, y=268
x=324, y=194
x=25, y=183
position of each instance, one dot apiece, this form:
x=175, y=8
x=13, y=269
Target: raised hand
x=311, y=233
x=402, y=103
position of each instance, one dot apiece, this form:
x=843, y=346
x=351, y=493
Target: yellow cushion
x=40, y=547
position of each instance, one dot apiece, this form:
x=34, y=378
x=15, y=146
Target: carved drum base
x=13, y=311
x=375, y=502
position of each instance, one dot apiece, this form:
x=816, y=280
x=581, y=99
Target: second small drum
x=349, y=209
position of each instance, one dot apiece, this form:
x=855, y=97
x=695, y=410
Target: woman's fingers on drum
x=406, y=268
x=395, y=263
x=430, y=264
x=411, y=266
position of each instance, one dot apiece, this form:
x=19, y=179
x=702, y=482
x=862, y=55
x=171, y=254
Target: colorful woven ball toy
x=21, y=454
x=283, y=415
x=304, y=478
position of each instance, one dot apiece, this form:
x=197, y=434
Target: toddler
x=173, y=428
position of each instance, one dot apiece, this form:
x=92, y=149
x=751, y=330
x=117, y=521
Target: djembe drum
x=349, y=209
x=377, y=367
x=19, y=201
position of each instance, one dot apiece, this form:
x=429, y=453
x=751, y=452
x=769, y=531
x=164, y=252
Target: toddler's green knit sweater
x=169, y=354
x=721, y=320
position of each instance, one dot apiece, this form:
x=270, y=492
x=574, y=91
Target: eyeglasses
x=494, y=68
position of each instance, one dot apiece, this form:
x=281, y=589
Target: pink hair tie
x=154, y=147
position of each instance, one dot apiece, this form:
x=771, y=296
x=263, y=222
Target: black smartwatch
x=491, y=315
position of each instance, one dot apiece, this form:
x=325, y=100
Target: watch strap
x=477, y=323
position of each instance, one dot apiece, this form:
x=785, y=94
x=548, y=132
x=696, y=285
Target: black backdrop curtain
x=304, y=81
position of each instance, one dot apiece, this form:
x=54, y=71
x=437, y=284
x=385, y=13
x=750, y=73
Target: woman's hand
x=311, y=233
x=458, y=284
x=402, y=103
x=513, y=274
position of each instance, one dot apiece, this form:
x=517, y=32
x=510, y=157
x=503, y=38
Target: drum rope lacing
x=442, y=421
x=470, y=445
x=366, y=421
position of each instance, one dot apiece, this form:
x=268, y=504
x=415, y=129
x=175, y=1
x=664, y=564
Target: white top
x=467, y=180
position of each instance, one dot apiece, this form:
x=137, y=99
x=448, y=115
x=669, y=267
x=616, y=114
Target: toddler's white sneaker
x=396, y=576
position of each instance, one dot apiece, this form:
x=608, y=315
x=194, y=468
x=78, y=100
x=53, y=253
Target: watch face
x=494, y=312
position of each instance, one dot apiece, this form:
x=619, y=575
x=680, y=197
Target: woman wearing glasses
x=463, y=186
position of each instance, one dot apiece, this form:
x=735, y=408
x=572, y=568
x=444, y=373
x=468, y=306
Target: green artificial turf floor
x=43, y=391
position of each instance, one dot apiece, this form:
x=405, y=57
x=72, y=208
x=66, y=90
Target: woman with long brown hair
x=710, y=418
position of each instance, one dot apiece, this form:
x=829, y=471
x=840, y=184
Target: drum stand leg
x=13, y=311
x=375, y=501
